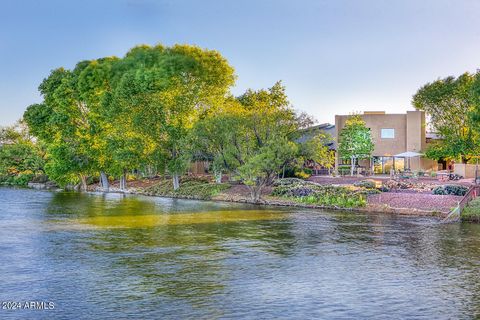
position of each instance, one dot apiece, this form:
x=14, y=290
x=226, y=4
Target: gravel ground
x=351, y=180
x=420, y=201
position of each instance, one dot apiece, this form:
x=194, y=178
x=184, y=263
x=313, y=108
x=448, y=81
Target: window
x=387, y=133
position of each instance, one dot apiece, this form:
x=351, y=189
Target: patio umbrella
x=408, y=154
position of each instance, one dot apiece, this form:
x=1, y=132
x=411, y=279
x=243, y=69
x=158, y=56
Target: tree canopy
x=450, y=103
x=112, y=115
x=158, y=108
x=253, y=136
x=355, y=141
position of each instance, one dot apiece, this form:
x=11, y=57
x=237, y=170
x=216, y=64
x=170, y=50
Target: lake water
x=116, y=257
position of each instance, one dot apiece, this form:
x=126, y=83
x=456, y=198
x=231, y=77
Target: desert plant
x=451, y=189
x=368, y=184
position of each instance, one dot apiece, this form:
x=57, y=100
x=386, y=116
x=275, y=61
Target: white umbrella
x=408, y=154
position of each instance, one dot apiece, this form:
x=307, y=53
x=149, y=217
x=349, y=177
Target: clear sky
x=334, y=56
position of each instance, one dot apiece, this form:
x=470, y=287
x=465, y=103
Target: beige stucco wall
x=376, y=122
x=465, y=170
x=416, y=131
x=409, y=135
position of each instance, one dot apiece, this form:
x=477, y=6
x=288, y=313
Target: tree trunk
x=352, y=166
x=83, y=183
x=176, y=181
x=104, y=181
x=218, y=177
x=283, y=172
x=123, y=181
x=255, y=192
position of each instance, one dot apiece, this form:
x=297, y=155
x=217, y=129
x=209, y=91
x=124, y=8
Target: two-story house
x=392, y=134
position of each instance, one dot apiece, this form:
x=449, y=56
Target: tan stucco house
x=392, y=134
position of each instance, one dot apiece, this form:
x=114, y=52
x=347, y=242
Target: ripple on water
x=110, y=257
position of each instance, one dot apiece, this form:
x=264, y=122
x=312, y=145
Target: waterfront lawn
x=472, y=211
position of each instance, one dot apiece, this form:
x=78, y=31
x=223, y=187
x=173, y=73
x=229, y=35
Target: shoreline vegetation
x=160, y=110
x=364, y=195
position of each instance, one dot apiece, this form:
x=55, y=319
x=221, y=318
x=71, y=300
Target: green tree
x=253, y=137
x=355, y=141
x=63, y=123
x=449, y=105
x=166, y=93
x=19, y=152
x=316, y=149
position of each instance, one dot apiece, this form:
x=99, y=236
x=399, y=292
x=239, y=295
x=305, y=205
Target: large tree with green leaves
x=253, y=136
x=167, y=91
x=62, y=122
x=449, y=104
x=113, y=115
x=355, y=141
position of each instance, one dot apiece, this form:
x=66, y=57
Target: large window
x=387, y=133
x=385, y=164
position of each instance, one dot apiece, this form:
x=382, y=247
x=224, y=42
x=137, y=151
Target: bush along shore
x=363, y=196
x=471, y=213
x=190, y=188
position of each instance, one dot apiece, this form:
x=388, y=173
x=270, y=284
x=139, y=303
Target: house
x=310, y=132
x=392, y=134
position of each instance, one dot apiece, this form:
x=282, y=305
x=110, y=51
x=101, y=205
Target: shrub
x=4, y=179
x=472, y=211
x=93, y=179
x=287, y=181
x=302, y=175
x=451, y=189
x=308, y=171
x=190, y=187
x=368, y=184
x=394, y=185
x=23, y=179
x=343, y=169
x=327, y=195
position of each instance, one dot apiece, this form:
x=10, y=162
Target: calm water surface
x=117, y=257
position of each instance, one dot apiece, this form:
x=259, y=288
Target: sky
x=334, y=57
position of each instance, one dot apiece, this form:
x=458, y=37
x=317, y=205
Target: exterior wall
x=409, y=136
x=199, y=167
x=416, y=131
x=465, y=170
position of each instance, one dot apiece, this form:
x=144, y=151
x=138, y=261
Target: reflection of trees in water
x=189, y=261
x=89, y=205
x=197, y=260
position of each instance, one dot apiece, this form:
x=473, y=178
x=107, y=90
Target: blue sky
x=334, y=56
